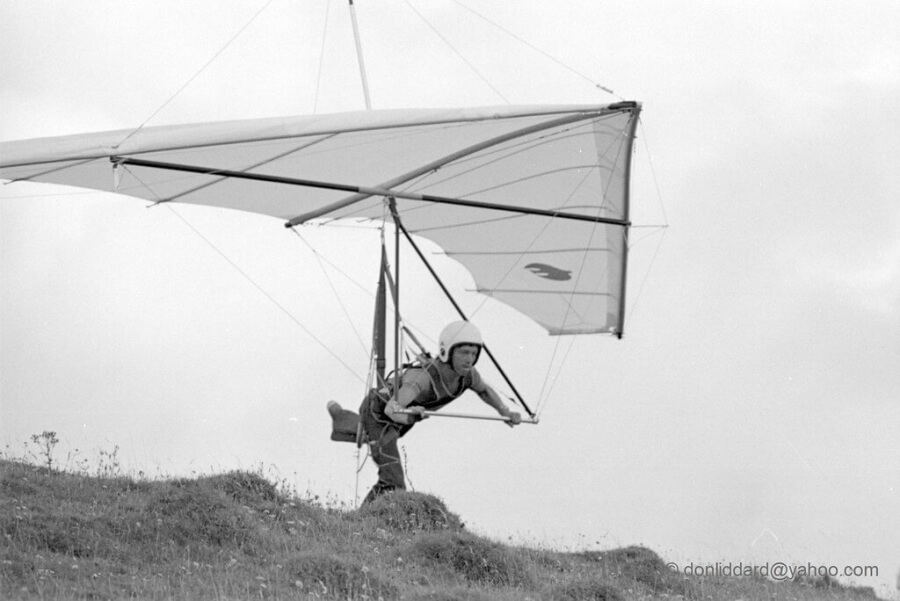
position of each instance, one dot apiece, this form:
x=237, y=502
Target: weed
x=45, y=443
x=108, y=464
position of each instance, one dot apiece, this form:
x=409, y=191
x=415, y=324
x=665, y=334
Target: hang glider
x=533, y=201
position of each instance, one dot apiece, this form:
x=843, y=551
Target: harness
x=435, y=397
x=440, y=393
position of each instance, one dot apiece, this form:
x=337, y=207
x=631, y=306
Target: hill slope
x=234, y=535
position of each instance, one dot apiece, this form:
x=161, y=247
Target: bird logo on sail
x=549, y=272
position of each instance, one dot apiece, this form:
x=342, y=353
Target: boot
x=344, y=423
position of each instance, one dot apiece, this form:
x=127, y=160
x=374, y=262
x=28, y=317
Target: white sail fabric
x=564, y=162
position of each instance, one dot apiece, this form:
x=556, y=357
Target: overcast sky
x=750, y=413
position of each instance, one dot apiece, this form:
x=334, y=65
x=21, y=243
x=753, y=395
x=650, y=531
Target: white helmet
x=456, y=333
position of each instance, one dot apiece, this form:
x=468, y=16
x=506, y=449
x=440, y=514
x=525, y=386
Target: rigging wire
x=360, y=464
x=264, y=292
x=196, y=75
x=334, y=291
x=539, y=51
x=640, y=289
x=659, y=198
x=337, y=268
x=458, y=53
x=542, y=397
x=664, y=227
x=321, y=57
x=547, y=390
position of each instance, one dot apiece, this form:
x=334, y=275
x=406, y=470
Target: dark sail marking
x=549, y=272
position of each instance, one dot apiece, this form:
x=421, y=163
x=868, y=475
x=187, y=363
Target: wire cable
x=321, y=57
x=664, y=228
x=458, y=53
x=264, y=292
x=539, y=51
x=195, y=75
x=334, y=291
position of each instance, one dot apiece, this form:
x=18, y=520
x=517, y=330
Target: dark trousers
x=382, y=434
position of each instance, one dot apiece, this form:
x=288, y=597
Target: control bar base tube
x=496, y=418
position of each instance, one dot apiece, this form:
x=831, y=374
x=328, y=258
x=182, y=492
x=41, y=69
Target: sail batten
x=460, y=253
x=435, y=165
x=494, y=291
x=533, y=201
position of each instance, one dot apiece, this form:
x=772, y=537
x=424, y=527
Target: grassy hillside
x=235, y=536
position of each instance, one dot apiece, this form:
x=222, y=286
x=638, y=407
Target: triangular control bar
x=459, y=310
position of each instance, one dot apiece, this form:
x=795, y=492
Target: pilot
x=429, y=386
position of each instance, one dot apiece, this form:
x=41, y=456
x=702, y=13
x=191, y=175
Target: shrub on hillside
x=644, y=566
x=190, y=513
x=476, y=559
x=410, y=511
x=246, y=488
